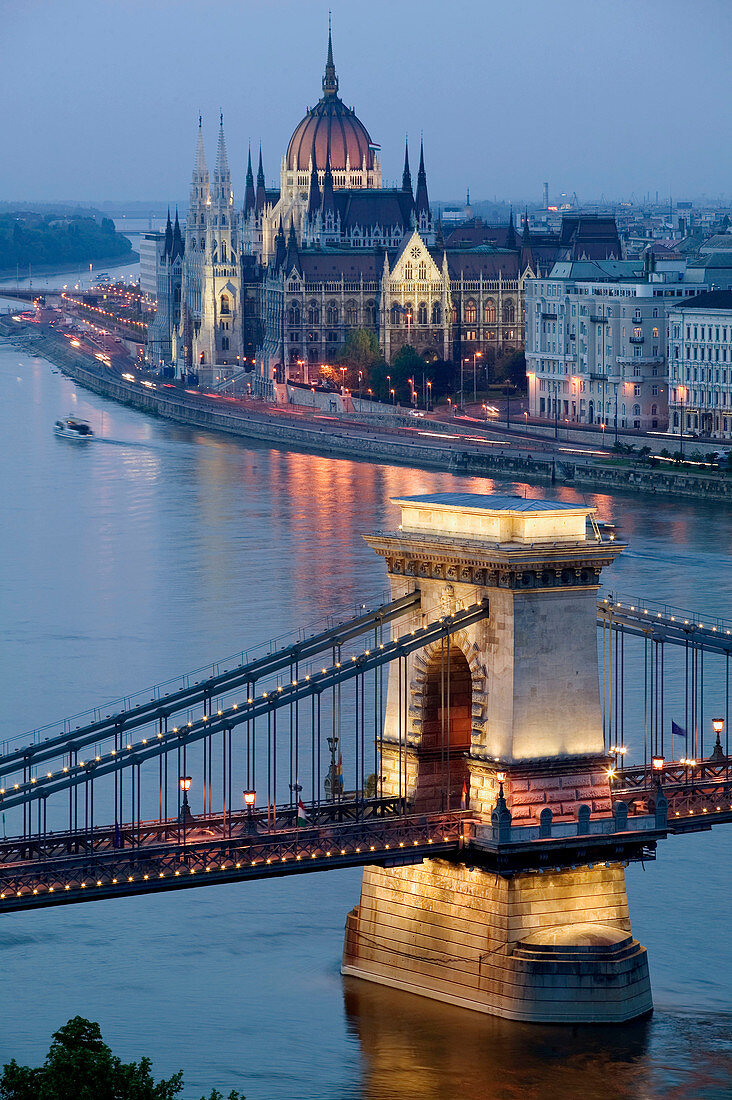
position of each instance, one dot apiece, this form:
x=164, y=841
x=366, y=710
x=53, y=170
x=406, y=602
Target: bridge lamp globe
x=249, y=797
x=658, y=763
x=185, y=783
x=718, y=725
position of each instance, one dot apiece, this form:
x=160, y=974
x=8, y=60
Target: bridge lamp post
x=718, y=753
x=249, y=797
x=185, y=810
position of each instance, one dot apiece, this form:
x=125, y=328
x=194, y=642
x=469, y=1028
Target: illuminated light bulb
x=99, y=882
x=159, y=736
x=161, y=875
x=130, y=878
x=33, y=781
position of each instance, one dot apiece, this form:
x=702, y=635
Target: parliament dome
x=330, y=127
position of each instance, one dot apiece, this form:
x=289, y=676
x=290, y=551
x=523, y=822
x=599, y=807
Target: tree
x=360, y=351
x=80, y=1066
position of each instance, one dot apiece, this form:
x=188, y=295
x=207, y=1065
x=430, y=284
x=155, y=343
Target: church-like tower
x=217, y=344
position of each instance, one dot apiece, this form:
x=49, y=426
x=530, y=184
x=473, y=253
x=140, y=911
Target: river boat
x=73, y=428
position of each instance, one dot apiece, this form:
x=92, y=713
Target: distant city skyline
x=610, y=102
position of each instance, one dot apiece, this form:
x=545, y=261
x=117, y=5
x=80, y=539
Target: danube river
x=155, y=549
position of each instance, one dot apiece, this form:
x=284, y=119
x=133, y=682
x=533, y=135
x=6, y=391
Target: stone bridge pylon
x=503, y=716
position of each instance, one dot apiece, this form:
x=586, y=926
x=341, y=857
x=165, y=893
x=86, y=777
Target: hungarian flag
x=678, y=731
x=302, y=817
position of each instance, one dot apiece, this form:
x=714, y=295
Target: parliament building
x=274, y=284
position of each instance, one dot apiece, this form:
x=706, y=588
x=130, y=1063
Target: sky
x=606, y=99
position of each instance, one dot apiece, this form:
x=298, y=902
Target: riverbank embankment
x=291, y=432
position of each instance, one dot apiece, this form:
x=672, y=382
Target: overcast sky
x=615, y=98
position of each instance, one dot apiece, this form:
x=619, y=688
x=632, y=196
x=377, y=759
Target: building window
x=471, y=312
x=489, y=312
x=224, y=343
x=436, y=314
x=636, y=391
x=509, y=312
x=408, y=271
x=470, y=334
x=332, y=314
x=396, y=314
x=422, y=313
x=351, y=313
x=422, y=271
x=224, y=303
x=294, y=314
x=313, y=314
x=370, y=313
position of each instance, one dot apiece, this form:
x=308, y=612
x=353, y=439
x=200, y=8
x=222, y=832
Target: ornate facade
x=280, y=281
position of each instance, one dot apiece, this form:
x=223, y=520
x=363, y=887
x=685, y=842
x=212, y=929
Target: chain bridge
x=468, y=742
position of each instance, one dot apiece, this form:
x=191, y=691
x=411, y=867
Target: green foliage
x=511, y=368
x=80, y=1066
x=360, y=350
x=47, y=240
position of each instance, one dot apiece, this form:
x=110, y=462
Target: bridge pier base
x=552, y=947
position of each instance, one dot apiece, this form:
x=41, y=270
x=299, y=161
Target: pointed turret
x=260, y=200
x=293, y=256
x=199, y=179
x=422, y=202
x=168, y=237
x=177, y=248
x=280, y=247
x=511, y=234
x=221, y=171
x=330, y=80
x=406, y=174
x=249, y=198
x=314, y=194
x=328, y=195
x=200, y=165
x=527, y=258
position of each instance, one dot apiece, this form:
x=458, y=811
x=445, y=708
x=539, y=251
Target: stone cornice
x=557, y=565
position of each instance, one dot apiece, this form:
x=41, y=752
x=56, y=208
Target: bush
x=80, y=1066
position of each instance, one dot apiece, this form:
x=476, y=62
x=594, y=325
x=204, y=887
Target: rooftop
x=492, y=502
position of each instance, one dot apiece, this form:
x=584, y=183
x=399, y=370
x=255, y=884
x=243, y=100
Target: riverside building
x=700, y=366
x=596, y=341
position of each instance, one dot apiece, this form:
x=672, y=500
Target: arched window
x=313, y=314
x=422, y=313
x=293, y=316
x=193, y=244
x=636, y=410
x=654, y=410
x=436, y=314
x=224, y=343
x=225, y=303
x=422, y=271
x=223, y=252
x=489, y=312
x=509, y=312
x=408, y=271
x=203, y=244
x=396, y=314
x=471, y=313
x=351, y=313
x=332, y=313
x=370, y=313
x=223, y=219
x=408, y=314
x=454, y=315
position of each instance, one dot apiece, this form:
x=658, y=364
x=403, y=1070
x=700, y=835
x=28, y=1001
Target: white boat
x=73, y=428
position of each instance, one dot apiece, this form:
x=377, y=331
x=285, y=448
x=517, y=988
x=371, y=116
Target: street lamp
x=477, y=355
x=429, y=395
x=249, y=797
x=718, y=753
x=185, y=814
x=411, y=383
x=681, y=393
x=393, y=399
x=388, y=386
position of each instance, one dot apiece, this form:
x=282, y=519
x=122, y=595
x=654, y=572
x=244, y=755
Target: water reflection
x=424, y=1050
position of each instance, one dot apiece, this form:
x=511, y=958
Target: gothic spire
x=330, y=80
x=527, y=256
x=200, y=168
x=293, y=257
x=168, y=237
x=221, y=172
x=406, y=174
x=314, y=196
x=280, y=247
x=261, y=196
x=249, y=192
x=178, y=247
x=422, y=202
x=328, y=196
x=511, y=234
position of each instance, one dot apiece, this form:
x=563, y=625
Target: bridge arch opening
x=447, y=705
